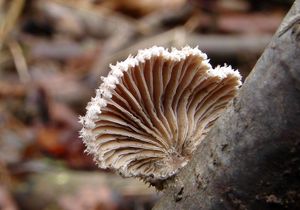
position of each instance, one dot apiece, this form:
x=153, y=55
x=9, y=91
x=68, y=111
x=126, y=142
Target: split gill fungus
x=152, y=111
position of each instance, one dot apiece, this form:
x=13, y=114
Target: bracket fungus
x=152, y=110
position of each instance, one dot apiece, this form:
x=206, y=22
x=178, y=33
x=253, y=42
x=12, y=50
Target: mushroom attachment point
x=152, y=111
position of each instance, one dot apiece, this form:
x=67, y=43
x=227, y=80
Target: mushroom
x=153, y=110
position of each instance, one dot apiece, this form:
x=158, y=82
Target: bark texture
x=251, y=158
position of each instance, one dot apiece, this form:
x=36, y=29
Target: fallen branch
x=250, y=159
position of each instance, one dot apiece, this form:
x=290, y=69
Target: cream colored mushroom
x=152, y=110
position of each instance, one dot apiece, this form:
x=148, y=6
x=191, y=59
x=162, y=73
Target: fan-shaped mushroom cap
x=152, y=110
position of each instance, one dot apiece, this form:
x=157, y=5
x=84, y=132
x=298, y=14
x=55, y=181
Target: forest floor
x=52, y=54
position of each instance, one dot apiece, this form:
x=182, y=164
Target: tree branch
x=250, y=159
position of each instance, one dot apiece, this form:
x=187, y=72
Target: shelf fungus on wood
x=152, y=110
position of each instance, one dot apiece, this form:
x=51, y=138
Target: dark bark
x=251, y=158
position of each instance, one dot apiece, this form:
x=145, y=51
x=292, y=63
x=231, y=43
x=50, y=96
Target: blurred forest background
x=52, y=54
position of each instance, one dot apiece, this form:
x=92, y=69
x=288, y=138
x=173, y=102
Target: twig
x=20, y=61
x=293, y=20
x=8, y=21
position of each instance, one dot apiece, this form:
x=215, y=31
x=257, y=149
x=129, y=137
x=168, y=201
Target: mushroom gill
x=152, y=110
